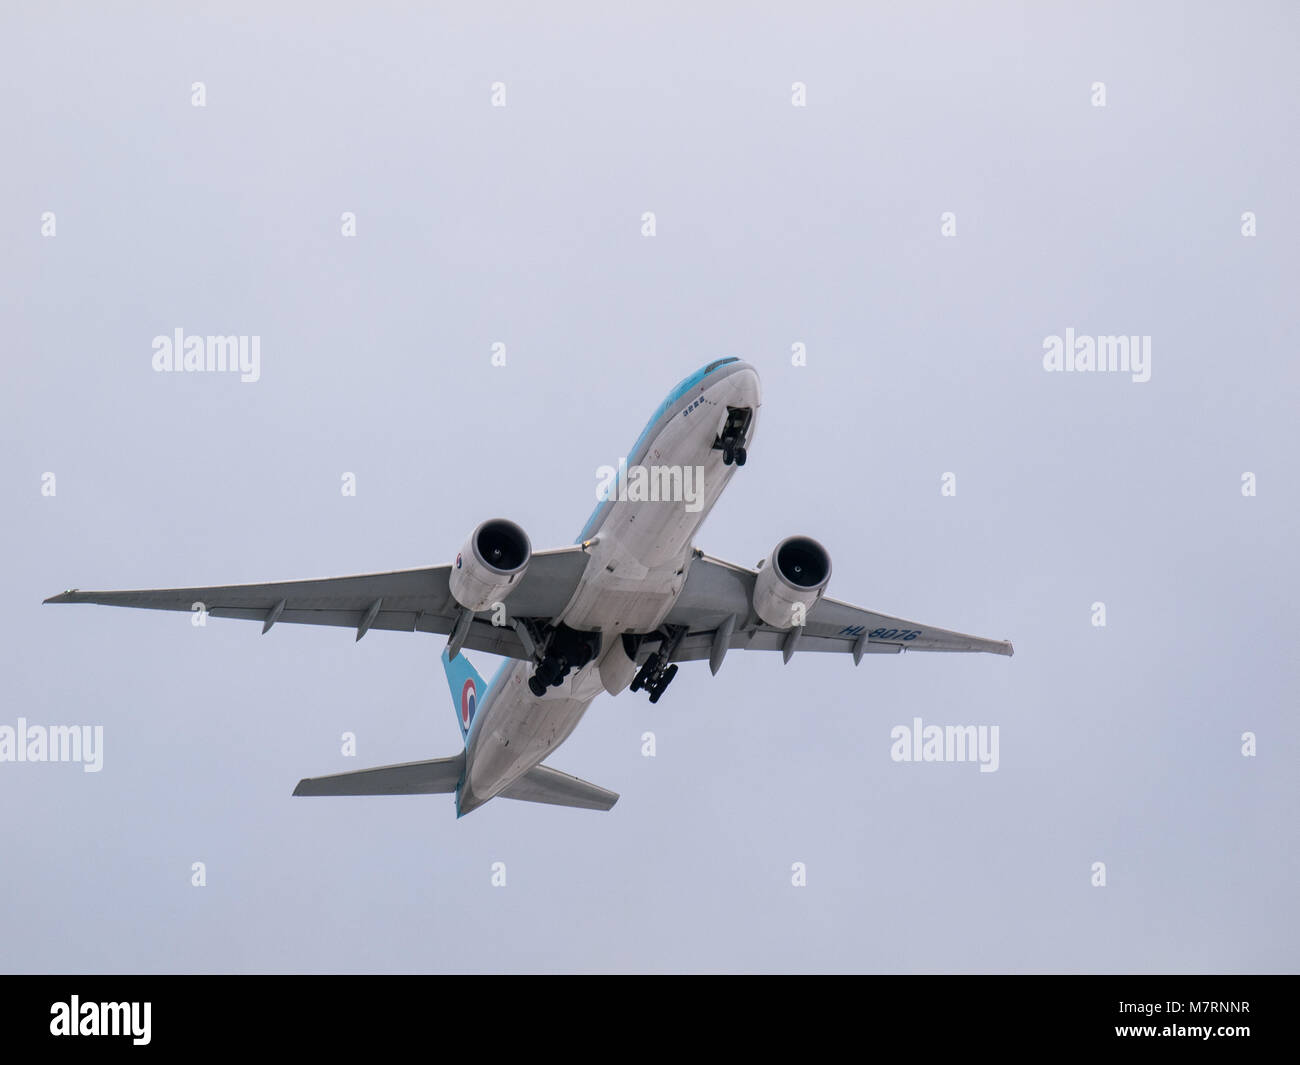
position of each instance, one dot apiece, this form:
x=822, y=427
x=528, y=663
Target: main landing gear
x=566, y=650
x=731, y=441
x=654, y=677
x=657, y=673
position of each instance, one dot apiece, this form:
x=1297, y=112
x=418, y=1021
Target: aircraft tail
x=467, y=690
x=443, y=776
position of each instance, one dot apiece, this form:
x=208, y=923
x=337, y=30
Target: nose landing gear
x=731, y=441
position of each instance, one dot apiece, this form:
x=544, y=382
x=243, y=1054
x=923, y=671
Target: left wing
x=717, y=591
x=413, y=600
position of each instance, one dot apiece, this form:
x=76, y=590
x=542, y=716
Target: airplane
x=621, y=608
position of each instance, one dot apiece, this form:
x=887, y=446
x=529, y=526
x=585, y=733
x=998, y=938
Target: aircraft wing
x=716, y=591
x=413, y=600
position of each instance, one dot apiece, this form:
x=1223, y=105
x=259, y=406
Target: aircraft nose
x=744, y=382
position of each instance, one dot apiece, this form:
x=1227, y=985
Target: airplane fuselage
x=639, y=553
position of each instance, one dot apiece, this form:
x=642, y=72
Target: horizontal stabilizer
x=544, y=784
x=411, y=778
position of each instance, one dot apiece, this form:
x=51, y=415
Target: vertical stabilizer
x=467, y=689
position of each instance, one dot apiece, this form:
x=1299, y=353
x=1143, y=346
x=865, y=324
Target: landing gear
x=654, y=677
x=656, y=674
x=731, y=441
x=646, y=672
x=566, y=650
x=658, y=688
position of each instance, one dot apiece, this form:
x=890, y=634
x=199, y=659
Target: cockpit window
x=719, y=362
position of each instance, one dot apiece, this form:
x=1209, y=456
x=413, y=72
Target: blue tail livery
x=467, y=689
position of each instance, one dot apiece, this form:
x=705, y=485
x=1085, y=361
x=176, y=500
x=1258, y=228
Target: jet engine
x=791, y=581
x=490, y=565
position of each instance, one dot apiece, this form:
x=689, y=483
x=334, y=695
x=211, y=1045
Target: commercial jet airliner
x=621, y=608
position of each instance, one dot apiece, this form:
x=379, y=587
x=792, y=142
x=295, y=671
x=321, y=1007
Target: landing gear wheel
x=656, y=674
x=733, y=434
x=536, y=686
x=662, y=685
x=668, y=677
x=549, y=670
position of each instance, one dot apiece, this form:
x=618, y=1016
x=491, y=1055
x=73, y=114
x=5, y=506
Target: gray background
x=776, y=225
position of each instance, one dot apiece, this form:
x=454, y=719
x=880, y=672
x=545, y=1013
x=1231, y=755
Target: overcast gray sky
x=775, y=225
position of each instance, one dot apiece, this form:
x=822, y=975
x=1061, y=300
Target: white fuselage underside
x=634, y=575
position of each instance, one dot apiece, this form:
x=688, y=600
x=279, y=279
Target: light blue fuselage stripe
x=642, y=442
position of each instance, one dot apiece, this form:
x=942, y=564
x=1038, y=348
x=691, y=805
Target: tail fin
x=467, y=689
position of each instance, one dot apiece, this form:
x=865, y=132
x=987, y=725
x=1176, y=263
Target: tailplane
x=441, y=775
x=544, y=784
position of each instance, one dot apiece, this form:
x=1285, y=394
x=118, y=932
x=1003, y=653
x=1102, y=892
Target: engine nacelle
x=490, y=565
x=791, y=581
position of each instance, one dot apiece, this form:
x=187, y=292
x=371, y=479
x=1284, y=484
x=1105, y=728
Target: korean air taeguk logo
x=468, y=697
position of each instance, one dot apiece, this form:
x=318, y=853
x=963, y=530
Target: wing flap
x=697, y=645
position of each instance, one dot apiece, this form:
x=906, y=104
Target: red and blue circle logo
x=468, y=697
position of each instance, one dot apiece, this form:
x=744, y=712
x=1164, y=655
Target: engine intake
x=791, y=580
x=490, y=565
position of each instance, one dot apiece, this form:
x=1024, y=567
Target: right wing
x=413, y=600
x=716, y=591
